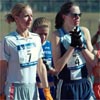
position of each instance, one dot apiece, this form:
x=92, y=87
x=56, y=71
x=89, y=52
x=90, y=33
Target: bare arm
x=89, y=56
x=42, y=72
x=59, y=62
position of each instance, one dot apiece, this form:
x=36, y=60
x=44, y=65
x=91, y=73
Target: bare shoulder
x=85, y=29
x=54, y=36
x=86, y=32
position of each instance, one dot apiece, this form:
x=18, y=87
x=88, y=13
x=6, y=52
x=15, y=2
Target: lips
x=29, y=23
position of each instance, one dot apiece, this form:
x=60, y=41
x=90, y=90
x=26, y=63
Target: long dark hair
x=65, y=9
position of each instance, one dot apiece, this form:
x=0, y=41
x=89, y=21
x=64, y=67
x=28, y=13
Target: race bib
x=26, y=57
x=75, y=64
x=76, y=60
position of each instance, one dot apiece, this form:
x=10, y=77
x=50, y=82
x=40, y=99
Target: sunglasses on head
x=75, y=14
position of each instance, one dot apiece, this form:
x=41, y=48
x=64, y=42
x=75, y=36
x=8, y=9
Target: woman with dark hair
x=72, y=50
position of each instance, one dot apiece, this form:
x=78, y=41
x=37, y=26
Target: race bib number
x=26, y=57
x=76, y=60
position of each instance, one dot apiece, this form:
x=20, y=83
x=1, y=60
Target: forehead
x=75, y=9
x=42, y=29
x=26, y=10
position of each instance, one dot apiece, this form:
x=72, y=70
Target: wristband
x=47, y=93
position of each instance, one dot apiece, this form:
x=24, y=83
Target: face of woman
x=73, y=18
x=25, y=19
x=43, y=32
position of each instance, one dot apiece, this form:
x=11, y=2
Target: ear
x=64, y=16
x=16, y=18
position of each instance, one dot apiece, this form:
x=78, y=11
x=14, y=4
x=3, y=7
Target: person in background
x=41, y=26
x=96, y=68
x=96, y=74
x=96, y=38
x=20, y=57
x=72, y=50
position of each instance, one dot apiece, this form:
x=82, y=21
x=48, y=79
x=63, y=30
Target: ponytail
x=58, y=20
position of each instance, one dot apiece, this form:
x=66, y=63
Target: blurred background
x=48, y=8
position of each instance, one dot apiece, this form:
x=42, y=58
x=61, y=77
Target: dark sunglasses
x=75, y=14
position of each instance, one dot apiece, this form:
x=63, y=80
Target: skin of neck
x=23, y=33
x=68, y=29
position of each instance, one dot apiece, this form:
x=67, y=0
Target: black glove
x=75, y=31
x=75, y=38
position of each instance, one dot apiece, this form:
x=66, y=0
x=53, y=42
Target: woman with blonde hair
x=41, y=26
x=21, y=57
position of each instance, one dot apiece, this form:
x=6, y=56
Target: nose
x=43, y=38
x=30, y=18
x=77, y=17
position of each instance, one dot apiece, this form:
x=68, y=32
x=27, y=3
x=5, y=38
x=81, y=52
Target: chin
x=76, y=24
x=28, y=26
